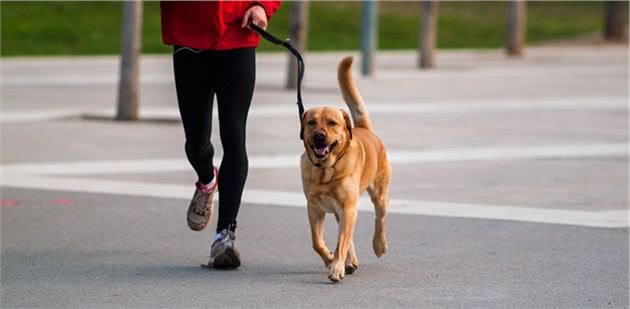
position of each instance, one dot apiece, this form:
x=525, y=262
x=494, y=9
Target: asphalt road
x=510, y=187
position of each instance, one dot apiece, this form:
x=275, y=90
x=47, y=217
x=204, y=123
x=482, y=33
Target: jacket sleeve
x=269, y=6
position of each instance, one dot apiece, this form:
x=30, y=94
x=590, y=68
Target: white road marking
x=75, y=79
x=44, y=176
x=376, y=108
x=602, y=219
x=36, y=115
x=292, y=160
x=102, y=74
x=511, y=153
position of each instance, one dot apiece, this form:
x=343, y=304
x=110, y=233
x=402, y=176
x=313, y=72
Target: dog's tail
x=351, y=95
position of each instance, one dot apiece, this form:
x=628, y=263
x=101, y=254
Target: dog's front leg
x=348, y=217
x=316, y=220
x=352, y=261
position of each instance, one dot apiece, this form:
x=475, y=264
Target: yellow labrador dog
x=339, y=163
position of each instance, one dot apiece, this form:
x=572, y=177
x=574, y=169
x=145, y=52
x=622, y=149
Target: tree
x=516, y=27
x=298, y=34
x=614, y=23
x=428, y=33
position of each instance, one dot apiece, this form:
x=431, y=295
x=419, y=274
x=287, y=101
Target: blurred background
x=89, y=28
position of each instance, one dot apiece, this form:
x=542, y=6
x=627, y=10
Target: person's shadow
x=308, y=275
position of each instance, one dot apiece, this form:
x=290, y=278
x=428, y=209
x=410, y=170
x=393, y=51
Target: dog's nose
x=319, y=137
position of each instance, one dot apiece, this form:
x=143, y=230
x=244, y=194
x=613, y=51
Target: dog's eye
x=311, y=122
x=332, y=123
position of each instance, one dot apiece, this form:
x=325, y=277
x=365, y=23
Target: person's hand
x=255, y=15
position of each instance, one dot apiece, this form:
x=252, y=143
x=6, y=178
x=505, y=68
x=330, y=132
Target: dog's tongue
x=322, y=151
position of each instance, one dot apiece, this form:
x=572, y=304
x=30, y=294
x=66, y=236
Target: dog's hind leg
x=352, y=261
x=316, y=220
x=379, y=194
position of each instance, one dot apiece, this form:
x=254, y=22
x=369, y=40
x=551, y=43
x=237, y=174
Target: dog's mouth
x=322, y=150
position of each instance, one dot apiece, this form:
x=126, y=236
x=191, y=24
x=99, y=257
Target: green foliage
x=77, y=28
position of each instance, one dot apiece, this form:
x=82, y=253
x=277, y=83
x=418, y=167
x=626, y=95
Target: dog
x=338, y=164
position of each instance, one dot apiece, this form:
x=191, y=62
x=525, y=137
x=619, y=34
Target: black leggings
x=229, y=74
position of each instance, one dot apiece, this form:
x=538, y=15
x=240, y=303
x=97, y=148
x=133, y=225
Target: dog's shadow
x=305, y=275
x=301, y=275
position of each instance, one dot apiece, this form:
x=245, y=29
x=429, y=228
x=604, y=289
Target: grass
x=88, y=28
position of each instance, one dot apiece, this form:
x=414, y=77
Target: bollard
x=369, y=26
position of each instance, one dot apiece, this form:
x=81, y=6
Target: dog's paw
x=379, y=244
x=336, y=271
x=351, y=268
x=352, y=263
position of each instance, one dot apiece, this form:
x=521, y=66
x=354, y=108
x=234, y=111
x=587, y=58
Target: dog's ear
x=302, y=125
x=346, y=118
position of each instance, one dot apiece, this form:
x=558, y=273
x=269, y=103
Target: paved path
x=510, y=187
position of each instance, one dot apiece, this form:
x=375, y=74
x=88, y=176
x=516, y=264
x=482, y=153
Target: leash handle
x=300, y=69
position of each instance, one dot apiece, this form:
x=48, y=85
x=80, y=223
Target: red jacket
x=212, y=25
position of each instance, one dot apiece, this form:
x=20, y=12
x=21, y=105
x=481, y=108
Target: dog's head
x=326, y=132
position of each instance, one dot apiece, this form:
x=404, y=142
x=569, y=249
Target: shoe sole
x=197, y=228
x=230, y=259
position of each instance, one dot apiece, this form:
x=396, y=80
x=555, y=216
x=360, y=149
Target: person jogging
x=214, y=55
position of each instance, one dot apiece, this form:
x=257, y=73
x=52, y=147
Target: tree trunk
x=428, y=33
x=516, y=27
x=298, y=34
x=615, y=27
x=129, y=83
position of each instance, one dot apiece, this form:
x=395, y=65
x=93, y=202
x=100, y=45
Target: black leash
x=300, y=69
